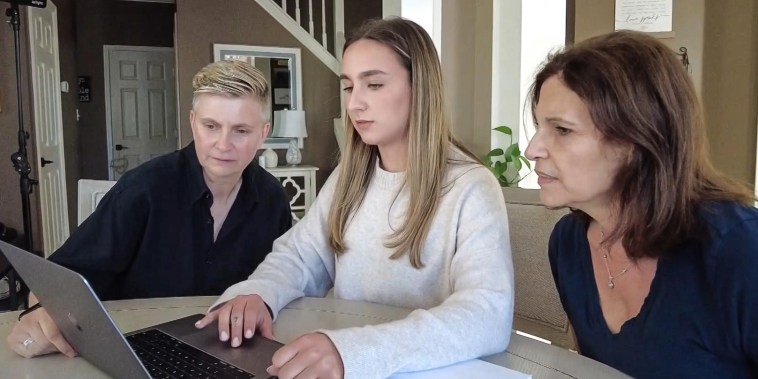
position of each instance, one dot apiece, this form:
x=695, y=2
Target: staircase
x=324, y=37
x=294, y=18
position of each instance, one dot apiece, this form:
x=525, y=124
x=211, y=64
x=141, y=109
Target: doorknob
x=120, y=147
x=44, y=161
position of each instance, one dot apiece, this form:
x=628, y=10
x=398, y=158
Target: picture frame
x=281, y=96
x=292, y=97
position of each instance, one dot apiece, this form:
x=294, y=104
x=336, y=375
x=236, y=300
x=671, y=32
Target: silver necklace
x=606, y=252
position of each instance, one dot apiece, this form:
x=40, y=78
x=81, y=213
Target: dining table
x=524, y=354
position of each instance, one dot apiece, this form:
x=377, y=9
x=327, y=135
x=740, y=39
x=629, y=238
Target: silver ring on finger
x=27, y=342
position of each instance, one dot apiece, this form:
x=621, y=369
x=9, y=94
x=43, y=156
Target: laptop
x=175, y=349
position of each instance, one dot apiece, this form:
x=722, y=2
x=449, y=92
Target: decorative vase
x=271, y=158
x=293, y=153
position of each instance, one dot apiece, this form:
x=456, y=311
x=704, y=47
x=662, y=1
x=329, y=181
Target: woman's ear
x=192, y=122
x=628, y=154
x=622, y=153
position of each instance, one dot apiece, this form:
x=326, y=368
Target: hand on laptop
x=246, y=313
x=311, y=355
x=36, y=334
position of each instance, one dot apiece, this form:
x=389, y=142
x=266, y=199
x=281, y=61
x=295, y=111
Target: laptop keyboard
x=167, y=357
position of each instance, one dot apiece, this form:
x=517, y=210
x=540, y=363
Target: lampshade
x=290, y=123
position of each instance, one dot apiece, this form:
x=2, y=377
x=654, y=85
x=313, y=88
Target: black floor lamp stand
x=20, y=159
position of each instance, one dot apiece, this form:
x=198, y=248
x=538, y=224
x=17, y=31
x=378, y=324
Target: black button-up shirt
x=152, y=233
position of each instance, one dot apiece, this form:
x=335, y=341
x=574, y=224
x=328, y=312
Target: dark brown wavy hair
x=639, y=94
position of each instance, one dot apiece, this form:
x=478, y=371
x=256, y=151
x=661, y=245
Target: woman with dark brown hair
x=656, y=264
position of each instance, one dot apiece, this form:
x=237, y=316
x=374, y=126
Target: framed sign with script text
x=651, y=16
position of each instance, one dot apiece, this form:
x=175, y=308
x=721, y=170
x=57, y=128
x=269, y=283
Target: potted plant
x=506, y=164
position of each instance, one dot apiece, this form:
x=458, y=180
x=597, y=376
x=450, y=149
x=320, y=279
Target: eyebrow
x=365, y=74
x=559, y=119
x=210, y=120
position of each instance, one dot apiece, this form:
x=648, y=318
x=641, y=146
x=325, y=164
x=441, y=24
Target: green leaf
x=505, y=130
x=526, y=162
x=507, y=162
x=495, y=152
x=512, y=151
x=517, y=164
x=500, y=168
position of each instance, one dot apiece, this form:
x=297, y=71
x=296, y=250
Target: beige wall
x=356, y=12
x=730, y=85
x=721, y=38
x=594, y=17
x=201, y=23
x=466, y=68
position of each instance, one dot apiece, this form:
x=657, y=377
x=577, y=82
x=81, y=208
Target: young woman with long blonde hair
x=409, y=219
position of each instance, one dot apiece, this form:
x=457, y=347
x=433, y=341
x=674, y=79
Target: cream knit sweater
x=463, y=296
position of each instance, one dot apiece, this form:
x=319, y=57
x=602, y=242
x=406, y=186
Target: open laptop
x=172, y=349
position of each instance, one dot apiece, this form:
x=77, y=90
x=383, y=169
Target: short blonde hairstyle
x=234, y=79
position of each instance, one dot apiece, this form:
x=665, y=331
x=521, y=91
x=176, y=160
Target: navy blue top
x=700, y=319
x=152, y=233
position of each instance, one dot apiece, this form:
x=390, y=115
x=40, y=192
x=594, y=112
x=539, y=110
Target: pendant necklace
x=606, y=252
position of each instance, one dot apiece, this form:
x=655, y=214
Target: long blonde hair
x=428, y=140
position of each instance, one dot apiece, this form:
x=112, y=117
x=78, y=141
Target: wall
x=595, y=17
x=110, y=23
x=69, y=101
x=730, y=85
x=720, y=38
x=466, y=70
x=246, y=23
x=10, y=197
x=357, y=12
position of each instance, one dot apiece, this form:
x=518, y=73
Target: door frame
x=107, y=49
x=47, y=227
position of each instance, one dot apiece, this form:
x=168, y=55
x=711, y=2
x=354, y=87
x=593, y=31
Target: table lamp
x=291, y=124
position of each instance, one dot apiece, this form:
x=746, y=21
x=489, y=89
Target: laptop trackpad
x=254, y=355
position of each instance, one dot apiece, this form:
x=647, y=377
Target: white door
x=140, y=105
x=48, y=125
